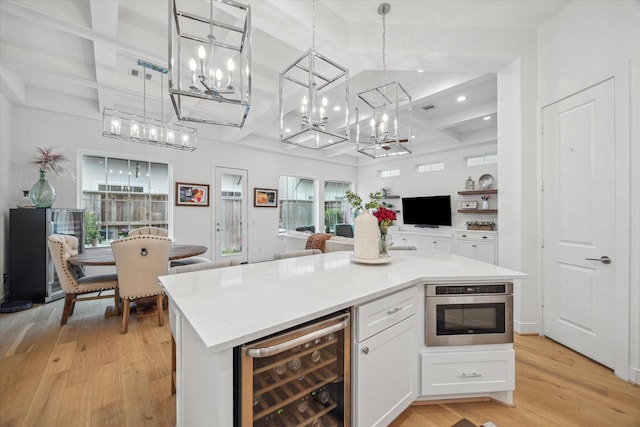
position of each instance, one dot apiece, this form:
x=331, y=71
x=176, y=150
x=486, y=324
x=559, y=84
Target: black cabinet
x=31, y=270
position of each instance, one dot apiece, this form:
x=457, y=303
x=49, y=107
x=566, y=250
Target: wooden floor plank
x=88, y=374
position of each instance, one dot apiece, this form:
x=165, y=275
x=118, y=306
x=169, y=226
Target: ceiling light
x=421, y=71
x=383, y=114
x=306, y=88
x=461, y=98
x=210, y=61
x=148, y=130
x=486, y=118
x=337, y=108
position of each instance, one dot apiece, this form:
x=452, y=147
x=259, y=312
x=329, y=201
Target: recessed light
x=421, y=71
x=337, y=108
x=330, y=141
x=486, y=118
x=462, y=98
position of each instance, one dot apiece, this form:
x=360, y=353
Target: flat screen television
x=431, y=211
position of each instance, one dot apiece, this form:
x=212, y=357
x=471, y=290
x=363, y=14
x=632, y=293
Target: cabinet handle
x=472, y=375
x=365, y=350
x=394, y=311
x=474, y=246
x=464, y=235
x=484, y=237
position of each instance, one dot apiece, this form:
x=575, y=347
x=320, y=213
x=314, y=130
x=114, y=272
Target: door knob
x=365, y=350
x=603, y=259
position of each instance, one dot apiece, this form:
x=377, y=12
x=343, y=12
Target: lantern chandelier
x=383, y=114
x=148, y=130
x=314, y=99
x=210, y=61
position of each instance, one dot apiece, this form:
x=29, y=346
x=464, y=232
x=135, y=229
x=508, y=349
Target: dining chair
x=140, y=260
x=188, y=269
x=294, y=254
x=154, y=231
x=62, y=247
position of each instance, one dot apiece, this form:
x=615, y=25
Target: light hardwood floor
x=87, y=374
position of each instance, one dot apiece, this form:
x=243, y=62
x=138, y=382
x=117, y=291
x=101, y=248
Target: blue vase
x=42, y=193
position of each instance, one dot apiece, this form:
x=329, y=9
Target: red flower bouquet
x=385, y=216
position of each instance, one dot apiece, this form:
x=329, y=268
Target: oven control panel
x=470, y=289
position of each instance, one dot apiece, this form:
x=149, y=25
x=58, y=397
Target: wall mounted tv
x=431, y=211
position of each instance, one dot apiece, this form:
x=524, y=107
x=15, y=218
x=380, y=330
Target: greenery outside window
x=296, y=203
x=336, y=208
x=124, y=194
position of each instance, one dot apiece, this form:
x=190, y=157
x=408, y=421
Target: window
x=336, y=208
x=389, y=173
x=124, y=194
x=431, y=167
x=297, y=198
x=489, y=159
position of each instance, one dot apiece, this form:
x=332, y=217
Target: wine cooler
x=300, y=377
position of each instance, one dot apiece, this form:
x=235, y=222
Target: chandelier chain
x=313, y=25
x=384, y=48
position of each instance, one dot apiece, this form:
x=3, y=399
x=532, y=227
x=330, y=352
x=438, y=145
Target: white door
x=578, y=216
x=231, y=213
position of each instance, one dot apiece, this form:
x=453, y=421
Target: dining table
x=103, y=256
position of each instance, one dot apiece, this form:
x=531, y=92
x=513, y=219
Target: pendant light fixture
x=148, y=130
x=314, y=99
x=210, y=61
x=383, y=114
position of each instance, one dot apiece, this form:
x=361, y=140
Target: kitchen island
x=213, y=311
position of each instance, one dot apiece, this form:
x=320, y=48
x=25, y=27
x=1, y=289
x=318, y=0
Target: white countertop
x=233, y=305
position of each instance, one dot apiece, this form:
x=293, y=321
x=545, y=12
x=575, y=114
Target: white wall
x=6, y=200
x=73, y=135
x=586, y=43
x=449, y=181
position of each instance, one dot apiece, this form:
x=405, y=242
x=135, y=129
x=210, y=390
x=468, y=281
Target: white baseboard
x=526, y=328
x=634, y=376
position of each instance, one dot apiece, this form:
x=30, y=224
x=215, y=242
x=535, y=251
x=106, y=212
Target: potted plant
x=91, y=229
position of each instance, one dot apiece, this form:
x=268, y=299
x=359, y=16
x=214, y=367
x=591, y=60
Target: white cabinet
x=479, y=245
x=386, y=358
x=463, y=372
x=424, y=241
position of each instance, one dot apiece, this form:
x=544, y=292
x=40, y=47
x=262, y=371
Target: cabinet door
x=485, y=252
x=386, y=374
x=466, y=248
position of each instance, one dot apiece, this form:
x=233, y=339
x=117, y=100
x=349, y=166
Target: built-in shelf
x=494, y=191
x=389, y=196
x=492, y=211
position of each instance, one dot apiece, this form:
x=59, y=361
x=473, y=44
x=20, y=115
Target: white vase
x=485, y=204
x=365, y=236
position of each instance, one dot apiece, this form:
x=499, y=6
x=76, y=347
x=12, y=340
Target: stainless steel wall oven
x=300, y=377
x=464, y=314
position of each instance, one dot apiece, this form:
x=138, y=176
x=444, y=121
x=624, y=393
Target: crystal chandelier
x=148, y=130
x=314, y=100
x=383, y=114
x=210, y=61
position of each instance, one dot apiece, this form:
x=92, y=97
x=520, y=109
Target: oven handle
x=287, y=345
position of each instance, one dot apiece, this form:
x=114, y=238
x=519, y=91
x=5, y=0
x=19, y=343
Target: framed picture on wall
x=265, y=198
x=192, y=194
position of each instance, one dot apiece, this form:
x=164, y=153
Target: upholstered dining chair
x=154, y=231
x=62, y=247
x=187, y=269
x=139, y=262
x=295, y=254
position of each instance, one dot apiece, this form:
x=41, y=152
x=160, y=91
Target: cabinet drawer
x=378, y=315
x=467, y=372
x=486, y=237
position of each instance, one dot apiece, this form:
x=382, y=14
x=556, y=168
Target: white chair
x=294, y=254
x=153, y=231
x=62, y=247
x=139, y=262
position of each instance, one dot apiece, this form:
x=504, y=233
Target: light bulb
x=304, y=100
x=219, y=75
x=115, y=125
x=324, y=102
x=192, y=65
x=170, y=136
x=202, y=53
x=231, y=65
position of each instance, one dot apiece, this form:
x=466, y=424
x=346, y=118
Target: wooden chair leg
x=159, y=310
x=69, y=300
x=173, y=365
x=116, y=300
x=125, y=316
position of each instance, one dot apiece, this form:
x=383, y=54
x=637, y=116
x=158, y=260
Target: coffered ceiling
x=78, y=55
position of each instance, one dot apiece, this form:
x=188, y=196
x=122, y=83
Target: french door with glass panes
x=230, y=204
